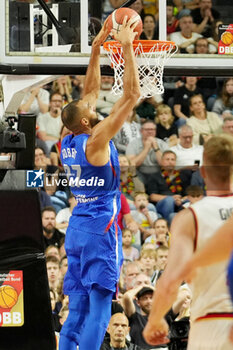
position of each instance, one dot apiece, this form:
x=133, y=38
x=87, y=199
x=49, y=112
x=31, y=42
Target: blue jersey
x=96, y=188
x=230, y=277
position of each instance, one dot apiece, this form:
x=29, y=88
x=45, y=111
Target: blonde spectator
x=184, y=299
x=161, y=257
x=148, y=261
x=143, y=215
x=166, y=127
x=148, y=245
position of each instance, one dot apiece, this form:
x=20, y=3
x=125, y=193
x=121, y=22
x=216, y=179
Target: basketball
x=227, y=38
x=8, y=297
x=115, y=20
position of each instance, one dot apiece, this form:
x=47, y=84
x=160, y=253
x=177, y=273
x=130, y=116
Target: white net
x=150, y=66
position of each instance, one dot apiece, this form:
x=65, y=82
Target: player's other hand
x=156, y=334
x=102, y=35
x=126, y=33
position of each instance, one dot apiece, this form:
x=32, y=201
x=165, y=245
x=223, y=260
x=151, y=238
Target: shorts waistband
x=226, y=315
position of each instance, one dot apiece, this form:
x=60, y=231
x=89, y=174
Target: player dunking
x=89, y=156
x=211, y=309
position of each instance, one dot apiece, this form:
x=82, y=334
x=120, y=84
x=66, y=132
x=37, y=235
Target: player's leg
x=70, y=333
x=97, y=319
x=78, y=301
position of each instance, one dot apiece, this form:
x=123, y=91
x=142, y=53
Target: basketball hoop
x=151, y=57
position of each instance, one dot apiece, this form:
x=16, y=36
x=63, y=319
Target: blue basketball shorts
x=92, y=259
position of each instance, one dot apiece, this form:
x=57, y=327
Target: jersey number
x=73, y=173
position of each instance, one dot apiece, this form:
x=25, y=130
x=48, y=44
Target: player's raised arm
x=181, y=250
x=92, y=79
x=104, y=131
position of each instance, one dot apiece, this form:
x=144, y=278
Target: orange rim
x=146, y=44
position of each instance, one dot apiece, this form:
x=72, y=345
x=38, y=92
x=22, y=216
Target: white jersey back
x=210, y=291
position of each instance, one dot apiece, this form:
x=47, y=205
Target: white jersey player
x=211, y=311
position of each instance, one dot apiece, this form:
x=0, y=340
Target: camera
x=11, y=140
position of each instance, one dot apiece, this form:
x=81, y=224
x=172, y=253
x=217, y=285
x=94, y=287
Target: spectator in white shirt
x=50, y=123
x=187, y=154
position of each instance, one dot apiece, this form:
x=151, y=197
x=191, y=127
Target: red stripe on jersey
x=110, y=223
x=221, y=195
x=196, y=227
x=113, y=170
x=216, y=315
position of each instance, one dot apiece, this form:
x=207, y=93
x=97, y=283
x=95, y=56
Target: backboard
x=31, y=44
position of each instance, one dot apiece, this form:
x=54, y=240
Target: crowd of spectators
x=187, y=21
x=160, y=150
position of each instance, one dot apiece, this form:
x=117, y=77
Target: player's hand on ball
x=102, y=35
x=156, y=334
x=126, y=32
